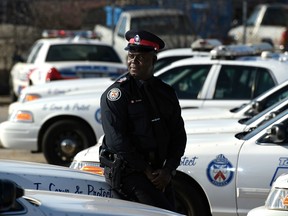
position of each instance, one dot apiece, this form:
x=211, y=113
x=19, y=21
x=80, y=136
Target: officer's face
x=140, y=64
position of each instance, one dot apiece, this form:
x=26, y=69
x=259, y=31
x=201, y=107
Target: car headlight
x=22, y=116
x=29, y=97
x=92, y=167
x=277, y=199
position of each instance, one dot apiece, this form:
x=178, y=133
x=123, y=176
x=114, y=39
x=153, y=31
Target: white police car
x=222, y=83
x=276, y=203
x=58, y=126
x=231, y=125
x=204, y=82
x=199, y=48
x=18, y=201
x=225, y=174
x=257, y=105
x=65, y=58
x=32, y=125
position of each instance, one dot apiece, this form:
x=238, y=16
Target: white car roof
x=247, y=61
x=180, y=52
x=75, y=40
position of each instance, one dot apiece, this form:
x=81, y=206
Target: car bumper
x=262, y=211
x=16, y=135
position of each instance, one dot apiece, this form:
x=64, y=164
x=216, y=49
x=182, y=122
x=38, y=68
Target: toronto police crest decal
x=219, y=171
x=114, y=94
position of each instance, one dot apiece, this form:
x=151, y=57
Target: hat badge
x=137, y=40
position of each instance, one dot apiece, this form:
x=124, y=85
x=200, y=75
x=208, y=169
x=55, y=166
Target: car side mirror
x=9, y=192
x=277, y=133
x=270, y=116
x=257, y=107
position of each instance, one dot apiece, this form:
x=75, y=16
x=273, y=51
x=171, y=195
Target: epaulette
x=121, y=80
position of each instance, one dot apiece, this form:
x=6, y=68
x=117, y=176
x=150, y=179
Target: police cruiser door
x=235, y=83
x=262, y=158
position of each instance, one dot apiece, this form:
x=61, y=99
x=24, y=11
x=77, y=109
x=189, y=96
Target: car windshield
x=253, y=17
x=266, y=102
x=264, y=113
x=248, y=135
x=163, y=62
x=274, y=16
x=186, y=80
x=82, y=52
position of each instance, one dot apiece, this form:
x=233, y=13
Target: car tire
x=189, y=199
x=64, y=139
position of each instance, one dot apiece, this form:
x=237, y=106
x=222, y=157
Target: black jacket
x=127, y=120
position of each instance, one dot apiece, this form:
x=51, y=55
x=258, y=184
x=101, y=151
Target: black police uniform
x=143, y=129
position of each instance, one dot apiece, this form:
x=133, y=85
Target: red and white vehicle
x=65, y=58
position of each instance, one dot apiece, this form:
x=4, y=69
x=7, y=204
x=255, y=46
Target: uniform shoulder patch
x=114, y=94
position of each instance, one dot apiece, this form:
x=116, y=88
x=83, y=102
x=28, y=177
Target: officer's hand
x=148, y=172
x=162, y=177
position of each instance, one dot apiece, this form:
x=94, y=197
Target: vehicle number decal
x=281, y=169
x=219, y=171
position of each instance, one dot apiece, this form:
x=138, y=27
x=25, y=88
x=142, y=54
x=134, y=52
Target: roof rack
x=234, y=51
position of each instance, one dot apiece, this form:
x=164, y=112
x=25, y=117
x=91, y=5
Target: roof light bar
x=53, y=33
x=234, y=51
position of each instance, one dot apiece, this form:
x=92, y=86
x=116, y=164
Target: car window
x=254, y=16
x=263, y=82
x=251, y=133
x=81, y=52
x=187, y=80
x=281, y=138
x=275, y=97
x=280, y=109
x=34, y=52
x=242, y=82
x=122, y=27
x=161, y=63
x=275, y=17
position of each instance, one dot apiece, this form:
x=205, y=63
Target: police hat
x=143, y=41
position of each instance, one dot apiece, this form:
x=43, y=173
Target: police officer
x=143, y=127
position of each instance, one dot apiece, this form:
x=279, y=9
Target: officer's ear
x=154, y=59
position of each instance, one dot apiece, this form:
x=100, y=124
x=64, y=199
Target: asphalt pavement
x=15, y=154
